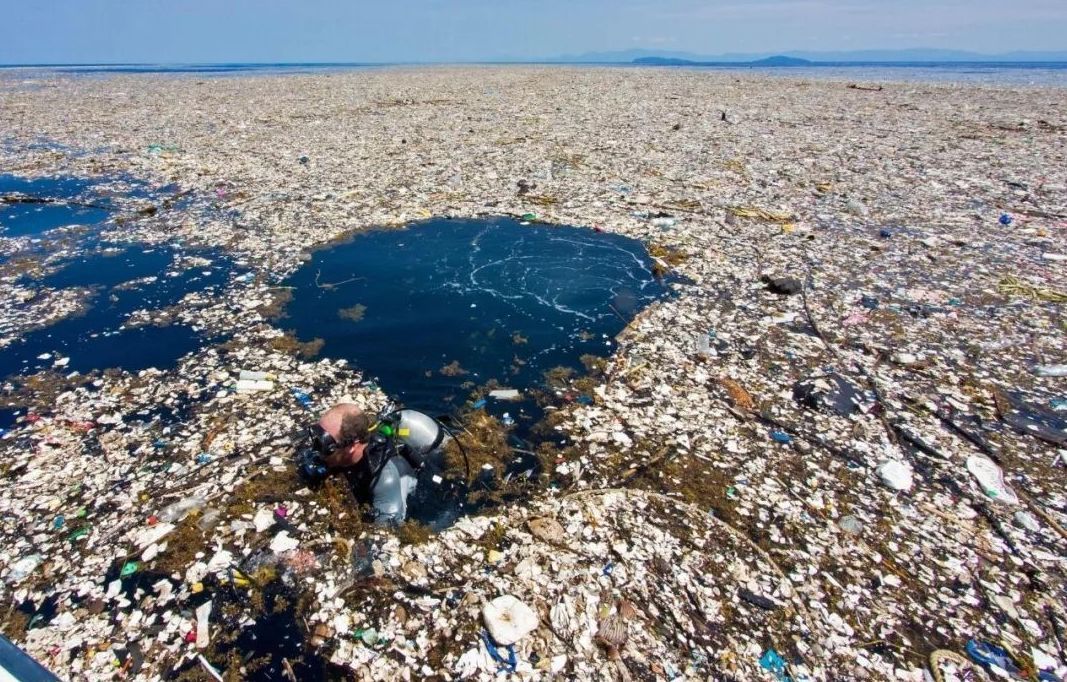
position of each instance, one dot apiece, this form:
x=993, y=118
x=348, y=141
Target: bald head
x=349, y=426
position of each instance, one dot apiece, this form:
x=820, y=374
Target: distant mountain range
x=777, y=60
x=667, y=58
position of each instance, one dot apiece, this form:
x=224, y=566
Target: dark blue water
x=93, y=340
x=116, y=279
x=32, y=219
x=8, y=417
x=67, y=201
x=448, y=304
x=21, y=219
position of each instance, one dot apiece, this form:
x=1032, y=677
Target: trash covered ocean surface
x=834, y=452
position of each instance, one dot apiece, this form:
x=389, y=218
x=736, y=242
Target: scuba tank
x=421, y=436
x=407, y=433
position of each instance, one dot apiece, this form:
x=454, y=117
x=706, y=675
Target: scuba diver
x=381, y=456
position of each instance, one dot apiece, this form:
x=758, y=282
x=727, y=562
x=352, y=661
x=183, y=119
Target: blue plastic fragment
x=988, y=654
x=884, y=233
x=609, y=568
x=479, y=404
x=869, y=302
x=775, y=664
x=781, y=437
x=302, y=397
x=1058, y=404
x=508, y=663
x=203, y=458
x=585, y=400
x=1006, y=219
x=58, y=523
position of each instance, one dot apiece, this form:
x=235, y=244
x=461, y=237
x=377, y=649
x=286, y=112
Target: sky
x=190, y=31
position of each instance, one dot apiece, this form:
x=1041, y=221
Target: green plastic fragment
x=80, y=533
x=128, y=569
x=529, y=216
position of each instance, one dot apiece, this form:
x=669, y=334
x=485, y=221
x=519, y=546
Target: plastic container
x=250, y=375
x=254, y=385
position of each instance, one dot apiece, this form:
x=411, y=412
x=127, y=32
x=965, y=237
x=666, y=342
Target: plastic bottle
x=209, y=520
x=850, y=524
x=177, y=511
x=703, y=346
x=1050, y=370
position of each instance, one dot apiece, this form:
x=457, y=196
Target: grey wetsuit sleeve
x=391, y=491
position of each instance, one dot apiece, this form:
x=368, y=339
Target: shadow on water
x=263, y=646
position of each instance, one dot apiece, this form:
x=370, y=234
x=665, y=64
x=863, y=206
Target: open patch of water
x=439, y=310
x=112, y=281
x=118, y=282
x=34, y=206
x=435, y=309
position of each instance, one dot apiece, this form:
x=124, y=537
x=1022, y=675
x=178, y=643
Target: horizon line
x=986, y=59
